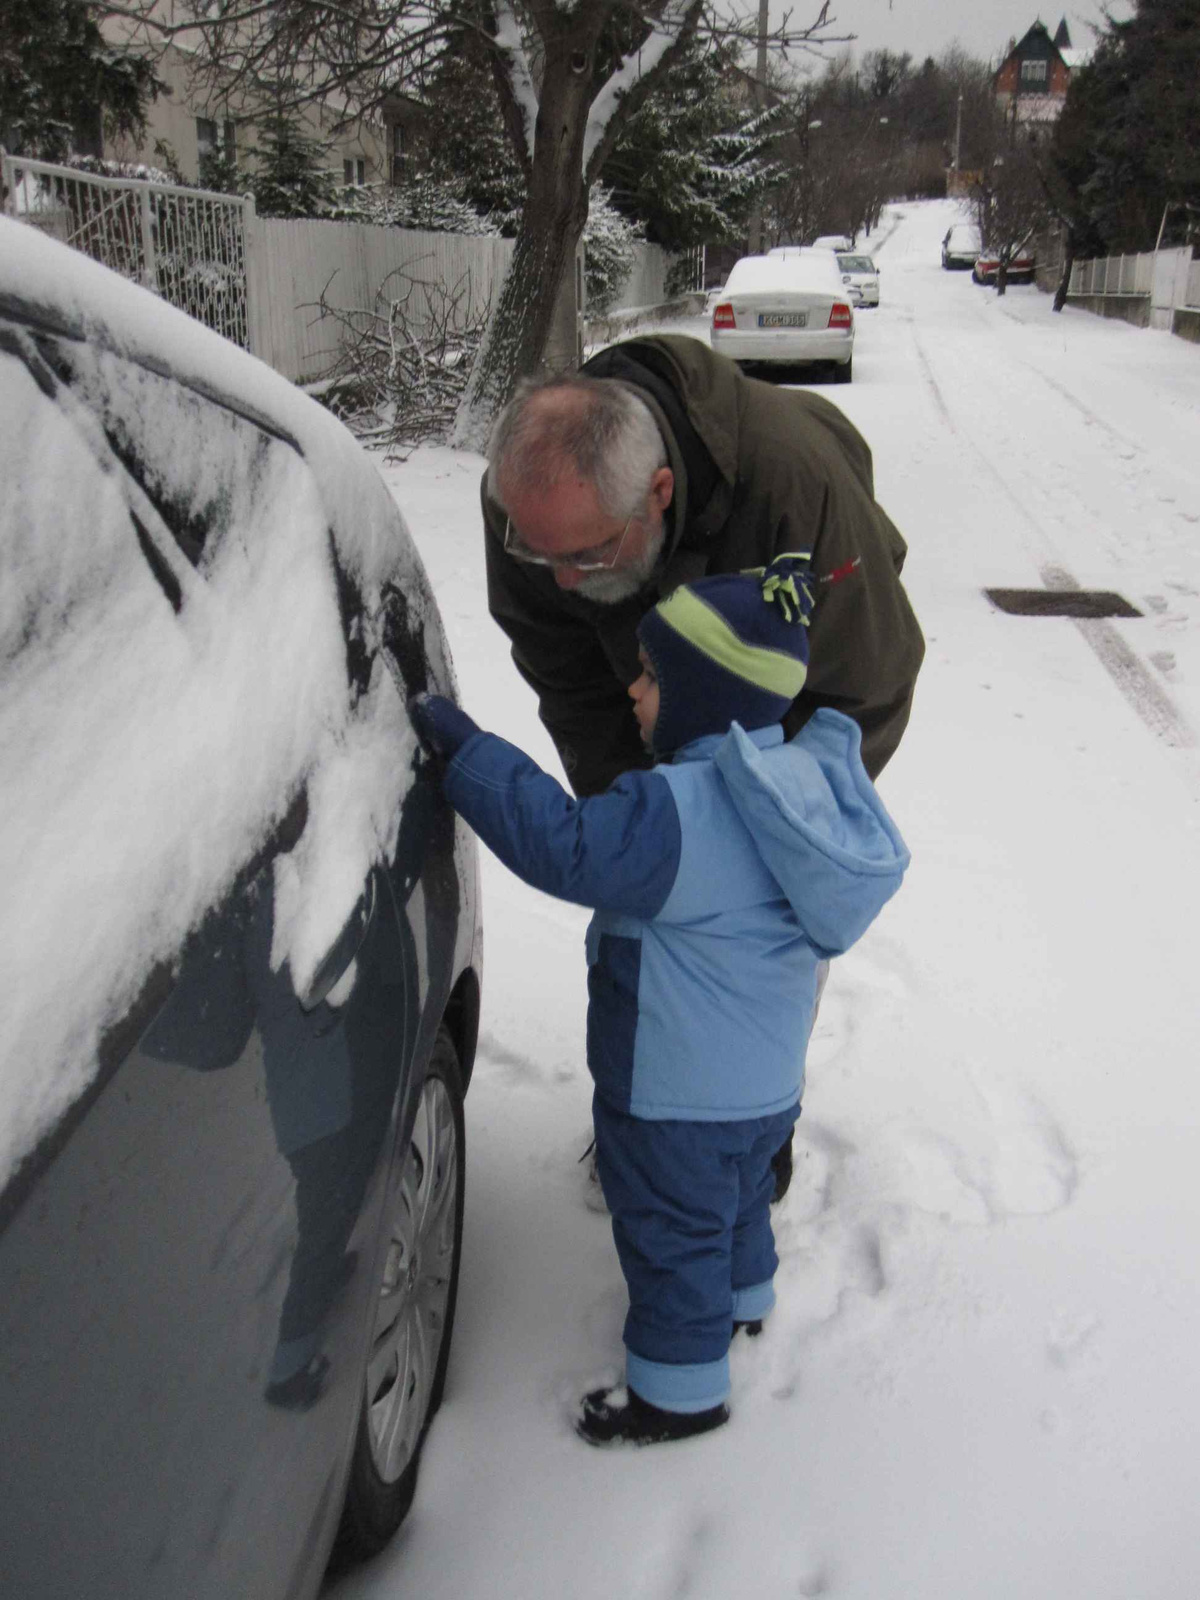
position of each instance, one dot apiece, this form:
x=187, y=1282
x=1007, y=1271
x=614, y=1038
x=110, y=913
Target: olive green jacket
x=759, y=470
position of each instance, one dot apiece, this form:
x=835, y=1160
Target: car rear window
x=856, y=264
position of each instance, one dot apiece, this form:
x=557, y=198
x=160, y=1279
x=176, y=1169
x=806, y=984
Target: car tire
x=415, y=1300
x=843, y=372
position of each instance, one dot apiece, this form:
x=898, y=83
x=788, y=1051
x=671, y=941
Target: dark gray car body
x=214, y=1189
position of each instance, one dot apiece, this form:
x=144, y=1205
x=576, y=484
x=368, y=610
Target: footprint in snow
x=1020, y=1164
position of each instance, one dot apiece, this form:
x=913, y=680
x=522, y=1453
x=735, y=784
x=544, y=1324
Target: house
x=1031, y=82
x=191, y=124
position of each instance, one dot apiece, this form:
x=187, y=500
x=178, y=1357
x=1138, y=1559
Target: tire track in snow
x=1152, y=704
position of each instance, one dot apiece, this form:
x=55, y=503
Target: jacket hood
x=819, y=825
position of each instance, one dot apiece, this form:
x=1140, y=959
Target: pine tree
x=60, y=80
x=290, y=177
x=692, y=161
x=1128, y=143
x=466, y=146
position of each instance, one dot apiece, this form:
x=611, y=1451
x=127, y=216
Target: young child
x=720, y=878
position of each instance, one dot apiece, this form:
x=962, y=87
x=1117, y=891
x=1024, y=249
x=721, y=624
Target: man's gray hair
x=591, y=427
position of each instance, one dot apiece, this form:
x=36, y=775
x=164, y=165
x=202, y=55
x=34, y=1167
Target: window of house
x=229, y=133
x=354, y=171
x=1033, y=72
x=207, y=139
x=398, y=153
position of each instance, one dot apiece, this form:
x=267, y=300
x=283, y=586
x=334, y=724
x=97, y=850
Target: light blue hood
x=818, y=824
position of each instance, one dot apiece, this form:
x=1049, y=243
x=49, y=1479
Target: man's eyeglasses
x=596, y=558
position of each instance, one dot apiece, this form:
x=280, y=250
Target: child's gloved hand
x=442, y=725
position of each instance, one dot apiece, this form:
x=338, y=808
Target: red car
x=1022, y=265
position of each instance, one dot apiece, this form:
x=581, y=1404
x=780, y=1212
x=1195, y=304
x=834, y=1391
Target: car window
x=856, y=264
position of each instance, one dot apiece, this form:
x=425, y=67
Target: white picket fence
x=260, y=281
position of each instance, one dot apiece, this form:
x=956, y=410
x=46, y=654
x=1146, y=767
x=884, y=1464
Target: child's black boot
x=620, y=1416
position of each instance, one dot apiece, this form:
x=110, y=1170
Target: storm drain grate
x=1061, y=603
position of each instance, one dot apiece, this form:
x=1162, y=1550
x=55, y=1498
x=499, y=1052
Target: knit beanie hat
x=733, y=647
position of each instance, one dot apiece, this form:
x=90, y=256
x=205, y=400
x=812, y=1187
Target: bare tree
x=1010, y=198
x=569, y=77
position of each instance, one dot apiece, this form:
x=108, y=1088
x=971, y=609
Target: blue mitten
x=442, y=725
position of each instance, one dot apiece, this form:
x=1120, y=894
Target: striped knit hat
x=729, y=648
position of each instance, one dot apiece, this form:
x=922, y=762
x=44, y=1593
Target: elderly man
x=661, y=462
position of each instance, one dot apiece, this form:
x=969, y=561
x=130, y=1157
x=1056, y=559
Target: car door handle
x=345, y=947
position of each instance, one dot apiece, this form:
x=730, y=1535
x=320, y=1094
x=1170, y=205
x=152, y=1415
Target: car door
x=223, y=980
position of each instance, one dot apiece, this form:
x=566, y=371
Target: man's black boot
x=620, y=1416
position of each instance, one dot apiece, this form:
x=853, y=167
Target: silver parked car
x=240, y=949
x=786, y=309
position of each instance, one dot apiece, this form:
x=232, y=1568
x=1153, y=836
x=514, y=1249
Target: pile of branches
x=402, y=366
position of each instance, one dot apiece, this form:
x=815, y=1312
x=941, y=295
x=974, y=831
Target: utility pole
x=755, y=229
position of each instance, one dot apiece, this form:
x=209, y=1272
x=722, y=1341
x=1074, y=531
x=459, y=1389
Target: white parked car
x=860, y=273
x=786, y=309
x=834, y=241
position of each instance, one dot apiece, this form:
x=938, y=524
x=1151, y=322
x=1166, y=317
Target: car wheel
x=414, y=1315
x=844, y=371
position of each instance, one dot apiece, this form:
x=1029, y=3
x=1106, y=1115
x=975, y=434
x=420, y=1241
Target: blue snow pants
x=690, y=1204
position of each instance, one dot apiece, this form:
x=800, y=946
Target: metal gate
x=187, y=245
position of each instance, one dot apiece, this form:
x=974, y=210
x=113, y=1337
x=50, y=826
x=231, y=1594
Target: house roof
x=1038, y=35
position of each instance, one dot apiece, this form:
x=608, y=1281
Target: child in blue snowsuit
x=720, y=879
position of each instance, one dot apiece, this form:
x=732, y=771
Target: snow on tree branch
x=638, y=64
x=508, y=38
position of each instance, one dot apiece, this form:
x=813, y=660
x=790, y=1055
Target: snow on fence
x=187, y=245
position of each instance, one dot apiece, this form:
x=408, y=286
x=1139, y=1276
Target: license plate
x=783, y=319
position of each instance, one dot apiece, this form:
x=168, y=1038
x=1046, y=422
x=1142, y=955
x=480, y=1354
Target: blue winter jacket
x=719, y=881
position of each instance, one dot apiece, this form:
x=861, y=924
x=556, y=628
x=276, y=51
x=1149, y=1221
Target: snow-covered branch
x=508, y=38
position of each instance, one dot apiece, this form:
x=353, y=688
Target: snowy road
x=981, y=1377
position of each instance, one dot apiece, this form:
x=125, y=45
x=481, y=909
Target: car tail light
x=840, y=316
x=723, y=316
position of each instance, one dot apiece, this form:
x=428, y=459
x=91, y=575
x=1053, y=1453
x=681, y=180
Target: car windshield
x=856, y=264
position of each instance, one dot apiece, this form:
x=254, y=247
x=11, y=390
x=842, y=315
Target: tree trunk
x=1002, y=273
x=537, y=298
x=1064, y=283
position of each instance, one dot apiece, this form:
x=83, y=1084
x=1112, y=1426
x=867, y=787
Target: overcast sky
x=926, y=27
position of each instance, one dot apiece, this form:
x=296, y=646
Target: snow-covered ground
x=981, y=1378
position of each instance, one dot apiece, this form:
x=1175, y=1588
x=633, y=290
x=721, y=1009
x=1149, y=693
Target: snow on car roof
x=815, y=270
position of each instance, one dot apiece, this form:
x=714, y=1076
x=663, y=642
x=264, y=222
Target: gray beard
x=609, y=588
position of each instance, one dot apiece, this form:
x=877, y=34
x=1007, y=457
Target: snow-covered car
x=786, y=309
x=1022, y=266
x=861, y=273
x=240, y=951
x=834, y=242
x=960, y=246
